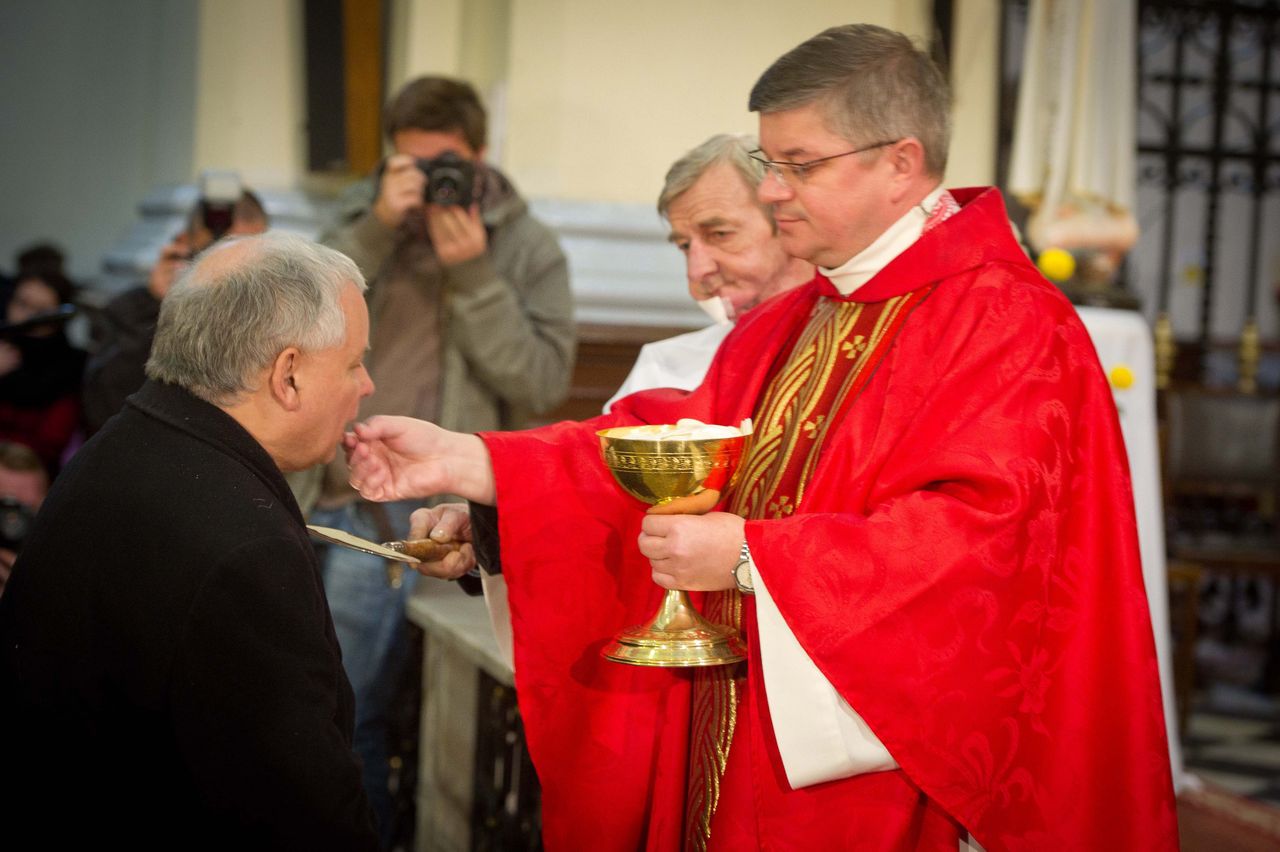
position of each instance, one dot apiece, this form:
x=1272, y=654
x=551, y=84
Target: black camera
x=220, y=191
x=15, y=522
x=450, y=180
x=50, y=319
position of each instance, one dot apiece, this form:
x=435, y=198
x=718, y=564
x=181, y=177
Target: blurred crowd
x=59, y=386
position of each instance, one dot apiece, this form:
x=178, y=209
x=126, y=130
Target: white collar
x=897, y=238
x=716, y=307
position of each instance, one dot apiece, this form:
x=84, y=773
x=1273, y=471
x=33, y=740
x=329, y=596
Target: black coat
x=169, y=674
x=123, y=332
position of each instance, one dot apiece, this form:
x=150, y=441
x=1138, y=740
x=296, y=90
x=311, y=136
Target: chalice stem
x=676, y=613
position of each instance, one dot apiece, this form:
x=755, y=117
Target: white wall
x=250, y=113
x=97, y=110
x=595, y=101
x=591, y=102
x=599, y=111
x=975, y=71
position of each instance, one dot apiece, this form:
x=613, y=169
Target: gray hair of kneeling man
x=242, y=303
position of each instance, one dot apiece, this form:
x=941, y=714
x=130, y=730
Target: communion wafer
x=685, y=429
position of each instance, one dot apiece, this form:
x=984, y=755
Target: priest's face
x=828, y=212
x=729, y=246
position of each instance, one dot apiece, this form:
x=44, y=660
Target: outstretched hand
x=400, y=458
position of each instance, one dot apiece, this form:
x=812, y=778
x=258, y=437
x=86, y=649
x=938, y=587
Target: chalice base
x=677, y=637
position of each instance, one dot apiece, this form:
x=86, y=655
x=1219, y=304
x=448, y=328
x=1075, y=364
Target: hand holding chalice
x=680, y=468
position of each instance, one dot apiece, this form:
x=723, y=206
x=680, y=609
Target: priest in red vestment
x=930, y=548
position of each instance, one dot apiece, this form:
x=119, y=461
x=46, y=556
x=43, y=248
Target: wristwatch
x=742, y=571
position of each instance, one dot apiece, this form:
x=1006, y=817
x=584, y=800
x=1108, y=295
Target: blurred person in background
x=733, y=257
x=123, y=330
x=35, y=259
x=39, y=368
x=23, y=486
x=472, y=319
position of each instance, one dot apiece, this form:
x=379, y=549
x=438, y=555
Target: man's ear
x=906, y=160
x=283, y=378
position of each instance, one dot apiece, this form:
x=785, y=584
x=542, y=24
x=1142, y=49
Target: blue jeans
x=369, y=618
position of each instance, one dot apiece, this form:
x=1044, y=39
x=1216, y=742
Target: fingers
x=169, y=265
x=179, y=248
x=370, y=472
x=690, y=551
x=446, y=225
x=444, y=523
x=659, y=538
x=422, y=521
x=693, y=504
x=399, y=191
x=666, y=581
x=457, y=233
x=398, y=163
x=410, y=458
x=368, y=476
x=383, y=427
x=453, y=523
x=452, y=566
x=373, y=485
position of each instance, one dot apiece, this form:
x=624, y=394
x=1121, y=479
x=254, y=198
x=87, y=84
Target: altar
x=476, y=788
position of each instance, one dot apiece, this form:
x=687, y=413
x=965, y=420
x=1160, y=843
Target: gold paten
x=683, y=475
x=363, y=545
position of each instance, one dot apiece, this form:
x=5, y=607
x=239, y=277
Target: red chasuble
x=960, y=562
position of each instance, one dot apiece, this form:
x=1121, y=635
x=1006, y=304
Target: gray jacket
x=503, y=322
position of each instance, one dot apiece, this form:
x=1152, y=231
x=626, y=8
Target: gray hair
x=227, y=318
x=721, y=148
x=872, y=85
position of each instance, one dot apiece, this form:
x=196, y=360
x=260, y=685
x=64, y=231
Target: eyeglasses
x=793, y=173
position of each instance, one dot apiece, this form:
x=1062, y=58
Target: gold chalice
x=688, y=475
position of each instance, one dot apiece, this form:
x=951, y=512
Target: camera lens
x=450, y=180
x=446, y=186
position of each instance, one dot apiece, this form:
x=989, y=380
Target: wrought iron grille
x=507, y=807
x=1208, y=124
x=1209, y=157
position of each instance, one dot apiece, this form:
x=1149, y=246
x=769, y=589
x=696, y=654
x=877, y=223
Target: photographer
x=39, y=368
x=472, y=328
x=123, y=330
x=23, y=486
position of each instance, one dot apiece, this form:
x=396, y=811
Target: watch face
x=742, y=575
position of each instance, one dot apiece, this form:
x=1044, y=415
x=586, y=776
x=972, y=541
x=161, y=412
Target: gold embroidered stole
x=833, y=358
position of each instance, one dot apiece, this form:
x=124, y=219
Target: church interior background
x=115, y=172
